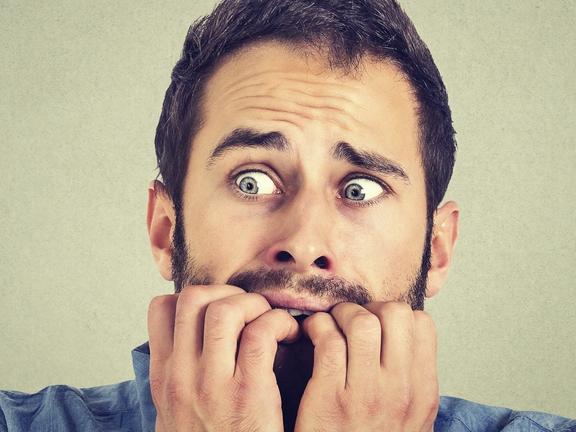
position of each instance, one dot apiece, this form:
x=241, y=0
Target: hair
x=344, y=32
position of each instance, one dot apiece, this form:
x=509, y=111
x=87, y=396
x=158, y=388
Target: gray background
x=81, y=86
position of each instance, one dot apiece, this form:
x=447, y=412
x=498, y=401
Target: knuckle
x=157, y=384
x=193, y=295
x=252, y=343
x=400, y=408
x=204, y=389
x=273, y=315
x=424, y=319
x=333, y=344
x=364, y=323
x=373, y=404
x=433, y=405
x=160, y=302
x=397, y=308
x=254, y=333
x=341, y=407
x=176, y=392
x=319, y=321
x=316, y=318
x=329, y=365
x=220, y=311
x=333, y=341
x=230, y=288
x=240, y=393
x=401, y=404
x=258, y=300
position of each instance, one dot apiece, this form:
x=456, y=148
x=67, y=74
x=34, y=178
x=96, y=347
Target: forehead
x=272, y=86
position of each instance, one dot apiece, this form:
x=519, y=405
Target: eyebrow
x=248, y=138
x=242, y=138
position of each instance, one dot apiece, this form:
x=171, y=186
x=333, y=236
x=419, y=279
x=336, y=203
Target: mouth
x=296, y=305
x=295, y=312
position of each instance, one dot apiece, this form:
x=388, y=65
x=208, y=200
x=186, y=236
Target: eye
x=255, y=183
x=362, y=189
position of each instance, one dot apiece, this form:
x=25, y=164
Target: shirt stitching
x=533, y=422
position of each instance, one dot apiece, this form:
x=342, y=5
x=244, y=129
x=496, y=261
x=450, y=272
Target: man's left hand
x=374, y=369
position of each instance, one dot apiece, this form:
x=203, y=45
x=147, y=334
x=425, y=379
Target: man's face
x=335, y=194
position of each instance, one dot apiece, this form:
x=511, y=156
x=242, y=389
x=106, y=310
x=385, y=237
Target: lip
x=290, y=300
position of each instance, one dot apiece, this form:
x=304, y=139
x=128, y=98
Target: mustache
x=334, y=288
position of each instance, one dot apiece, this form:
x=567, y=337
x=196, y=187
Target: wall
x=81, y=87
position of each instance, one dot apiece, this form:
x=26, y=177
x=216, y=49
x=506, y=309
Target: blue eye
x=362, y=189
x=255, y=183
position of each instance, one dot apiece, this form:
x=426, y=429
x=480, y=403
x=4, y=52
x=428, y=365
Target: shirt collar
x=141, y=364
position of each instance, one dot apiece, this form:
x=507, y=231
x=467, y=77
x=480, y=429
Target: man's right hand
x=212, y=350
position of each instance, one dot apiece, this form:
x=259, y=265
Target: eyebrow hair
x=249, y=138
x=369, y=160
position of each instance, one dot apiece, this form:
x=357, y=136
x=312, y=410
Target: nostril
x=284, y=256
x=322, y=262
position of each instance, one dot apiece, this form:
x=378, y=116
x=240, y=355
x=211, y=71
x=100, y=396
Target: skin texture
x=213, y=347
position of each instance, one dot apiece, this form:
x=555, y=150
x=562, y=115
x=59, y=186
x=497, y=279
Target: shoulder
x=460, y=415
x=66, y=408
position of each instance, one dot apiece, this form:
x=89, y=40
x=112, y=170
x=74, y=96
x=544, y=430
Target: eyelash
x=387, y=189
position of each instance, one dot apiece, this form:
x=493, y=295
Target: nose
x=302, y=244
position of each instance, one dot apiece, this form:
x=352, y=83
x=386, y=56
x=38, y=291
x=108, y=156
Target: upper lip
x=291, y=300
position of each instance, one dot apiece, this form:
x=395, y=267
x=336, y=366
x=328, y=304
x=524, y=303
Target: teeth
x=296, y=312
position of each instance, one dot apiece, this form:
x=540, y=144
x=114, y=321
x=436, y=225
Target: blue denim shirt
x=128, y=406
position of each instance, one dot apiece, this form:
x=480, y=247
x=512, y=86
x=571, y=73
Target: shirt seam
x=534, y=423
x=452, y=418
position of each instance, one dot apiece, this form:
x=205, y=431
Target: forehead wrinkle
x=291, y=118
x=246, y=80
x=342, y=119
x=335, y=86
x=243, y=78
x=340, y=107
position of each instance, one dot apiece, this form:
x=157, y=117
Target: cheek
x=385, y=248
x=221, y=239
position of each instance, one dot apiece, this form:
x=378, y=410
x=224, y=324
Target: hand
x=212, y=350
x=374, y=370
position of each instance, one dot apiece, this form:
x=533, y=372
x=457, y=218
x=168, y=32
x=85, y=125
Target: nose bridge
x=308, y=216
x=303, y=241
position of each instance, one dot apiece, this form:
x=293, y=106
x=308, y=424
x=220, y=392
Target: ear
x=161, y=220
x=444, y=235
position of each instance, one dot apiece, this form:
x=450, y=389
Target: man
x=304, y=148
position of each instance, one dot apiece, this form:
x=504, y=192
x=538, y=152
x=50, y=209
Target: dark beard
x=294, y=362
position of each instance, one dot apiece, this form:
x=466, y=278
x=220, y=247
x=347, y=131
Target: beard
x=294, y=362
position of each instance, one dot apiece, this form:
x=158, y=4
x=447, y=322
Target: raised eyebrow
x=248, y=138
x=369, y=160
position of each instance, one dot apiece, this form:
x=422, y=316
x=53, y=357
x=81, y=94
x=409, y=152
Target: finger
x=397, y=322
x=224, y=321
x=189, y=320
x=363, y=333
x=425, y=399
x=329, y=348
x=259, y=343
x=161, y=312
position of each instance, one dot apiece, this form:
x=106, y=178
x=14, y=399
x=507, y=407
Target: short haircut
x=344, y=31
